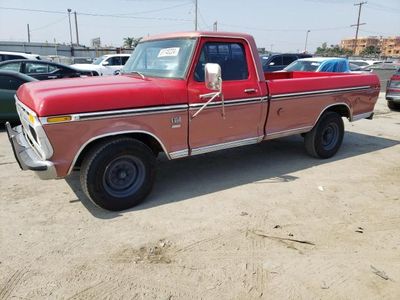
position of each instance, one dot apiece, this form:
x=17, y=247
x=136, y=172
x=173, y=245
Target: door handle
x=249, y=91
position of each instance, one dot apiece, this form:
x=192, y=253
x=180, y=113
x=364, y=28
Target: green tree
x=332, y=50
x=131, y=42
x=370, y=51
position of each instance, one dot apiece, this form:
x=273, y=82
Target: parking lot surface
x=264, y=221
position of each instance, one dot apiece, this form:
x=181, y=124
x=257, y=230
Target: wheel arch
x=343, y=109
x=148, y=138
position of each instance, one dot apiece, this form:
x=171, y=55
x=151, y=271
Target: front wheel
x=118, y=174
x=325, y=139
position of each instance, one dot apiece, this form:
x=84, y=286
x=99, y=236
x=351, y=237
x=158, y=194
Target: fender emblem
x=176, y=122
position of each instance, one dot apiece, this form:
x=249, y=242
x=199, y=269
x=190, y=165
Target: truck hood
x=92, y=94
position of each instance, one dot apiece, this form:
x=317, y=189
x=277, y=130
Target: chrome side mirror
x=212, y=77
x=213, y=81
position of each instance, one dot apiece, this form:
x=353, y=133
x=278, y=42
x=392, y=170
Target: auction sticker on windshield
x=168, y=52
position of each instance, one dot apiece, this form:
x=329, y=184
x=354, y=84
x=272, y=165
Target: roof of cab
x=196, y=34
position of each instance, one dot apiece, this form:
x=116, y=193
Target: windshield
x=98, y=60
x=303, y=65
x=163, y=58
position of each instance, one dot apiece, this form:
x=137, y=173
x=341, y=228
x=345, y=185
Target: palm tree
x=131, y=42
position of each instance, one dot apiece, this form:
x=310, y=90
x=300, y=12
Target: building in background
x=362, y=44
x=390, y=46
x=386, y=47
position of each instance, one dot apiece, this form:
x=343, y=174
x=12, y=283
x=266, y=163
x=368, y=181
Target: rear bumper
x=393, y=98
x=393, y=95
x=26, y=156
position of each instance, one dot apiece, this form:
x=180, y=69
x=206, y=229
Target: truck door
x=242, y=122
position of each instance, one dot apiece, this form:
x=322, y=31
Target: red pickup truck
x=182, y=94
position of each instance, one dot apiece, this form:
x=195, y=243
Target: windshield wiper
x=135, y=72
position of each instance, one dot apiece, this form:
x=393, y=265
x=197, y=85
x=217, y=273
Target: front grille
x=33, y=133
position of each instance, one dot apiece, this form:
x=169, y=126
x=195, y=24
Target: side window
x=230, y=56
x=52, y=68
x=9, y=82
x=288, y=59
x=11, y=67
x=114, y=61
x=11, y=57
x=276, y=61
x=124, y=59
x=35, y=68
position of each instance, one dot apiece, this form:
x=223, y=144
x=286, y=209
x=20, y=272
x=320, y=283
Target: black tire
x=118, y=174
x=392, y=105
x=325, y=139
x=94, y=73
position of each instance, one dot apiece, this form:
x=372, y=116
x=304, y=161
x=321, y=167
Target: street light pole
x=305, y=45
x=195, y=15
x=70, y=28
x=76, y=28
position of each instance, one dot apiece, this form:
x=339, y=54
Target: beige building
x=362, y=43
x=389, y=46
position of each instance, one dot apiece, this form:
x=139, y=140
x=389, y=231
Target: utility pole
x=29, y=33
x=360, y=4
x=70, y=28
x=76, y=28
x=195, y=15
x=215, y=27
x=305, y=45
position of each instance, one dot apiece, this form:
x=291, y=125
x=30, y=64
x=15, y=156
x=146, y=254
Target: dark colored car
x=277, y=62
x=393, y=91
x=41, y=70
x=9, y=83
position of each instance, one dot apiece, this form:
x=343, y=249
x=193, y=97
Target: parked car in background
x=385, y=66
x=276, y=62
x=319, y=64
x=81, y=60
x=393, y=91
x=104, y=65
x=42, y=70
x=4, y=55
x=9, y=83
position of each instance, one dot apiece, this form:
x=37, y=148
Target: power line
x=156, y=10
x=121, y=16
x=380, y=7
x=49, y=24
x=285, y=30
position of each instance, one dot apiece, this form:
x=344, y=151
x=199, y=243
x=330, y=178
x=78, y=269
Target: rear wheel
x=325, y=139
x=118, y=174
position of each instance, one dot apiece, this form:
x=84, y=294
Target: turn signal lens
x=59, y=119
x=31, y=119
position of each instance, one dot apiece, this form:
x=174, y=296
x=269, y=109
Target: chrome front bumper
x=26, y=156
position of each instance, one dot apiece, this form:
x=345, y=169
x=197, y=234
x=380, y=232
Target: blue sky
x=280, y=25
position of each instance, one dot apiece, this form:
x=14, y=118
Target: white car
x=104, y=65
x=4, y=55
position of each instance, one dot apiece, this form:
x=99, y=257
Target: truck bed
x=298, y=98
x=290, y=82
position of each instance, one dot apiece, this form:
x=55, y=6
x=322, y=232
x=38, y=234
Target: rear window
x=230, y=56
